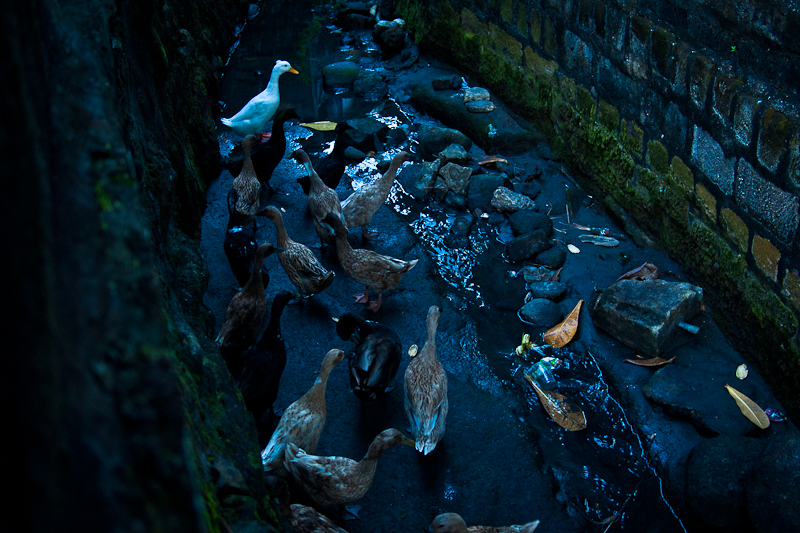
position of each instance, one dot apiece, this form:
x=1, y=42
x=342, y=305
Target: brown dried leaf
x=644, y=272
x=749, y=408
x=490, y=160
x=654, y=362
x=560, y=408
x=561, y=334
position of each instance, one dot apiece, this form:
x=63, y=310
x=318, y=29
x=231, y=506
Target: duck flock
x=257, y=359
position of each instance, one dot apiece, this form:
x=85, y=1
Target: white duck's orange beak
x=293, y=71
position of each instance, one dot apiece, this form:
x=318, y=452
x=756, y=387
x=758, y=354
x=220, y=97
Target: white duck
x=252, y=118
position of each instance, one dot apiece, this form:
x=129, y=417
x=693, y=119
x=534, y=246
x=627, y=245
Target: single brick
x=743, y=116
x=773, y=207
x=700, y=75
x=766, y=256
x=773, y=138
x=735, y=228
x=791, y=288
x=706, y=200
x=709, y=157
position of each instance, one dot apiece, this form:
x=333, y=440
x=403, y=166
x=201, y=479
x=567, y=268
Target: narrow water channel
x=502, y=460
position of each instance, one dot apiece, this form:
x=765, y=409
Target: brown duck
x=331, y=481
x=302, y=422
x=360, y=207
x=376, y=271
x=453, y=523
x=246, y=309
x=246, y=184
x=303, y=519
x=301, y=265
x=321, y=200
x=425, y=385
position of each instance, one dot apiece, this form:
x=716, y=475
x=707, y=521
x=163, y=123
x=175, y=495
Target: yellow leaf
x=655, y=361
x=749, y=408
x=561, y=334
x=560, y=408
x=324, y=125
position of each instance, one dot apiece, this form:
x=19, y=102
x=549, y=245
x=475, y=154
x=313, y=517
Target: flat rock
x=476, y=94
x=550, y=290
x=446, y=82
x=504, y=199
x=480, y=106
x=433, y=139
x=541, y=312
x=716, y=479
x=455, y=153
x=528, y=245
x=496, y=132
x=644, y=314
x=553, y=258
x=528, y=188
x=354, y=154
x=527, y=220
x=341, y=74
x=773, y=494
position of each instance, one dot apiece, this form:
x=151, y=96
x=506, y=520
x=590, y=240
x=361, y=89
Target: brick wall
x=682, y=115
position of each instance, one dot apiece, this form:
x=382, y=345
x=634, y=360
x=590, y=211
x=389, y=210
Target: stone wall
x=681, y=115
x=120, y=414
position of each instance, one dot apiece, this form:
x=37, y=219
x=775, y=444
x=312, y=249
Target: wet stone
x=354, y=154
x=496, y=218
x=645, y=314
x=482, y=106
x=456, y=177
x=434, y=139
x=390, y=35
x=528, y=188
x=481, y=190
x=476, y=94
x=526, y=221
x=364, y=132
x=553, y=258
x=549, y=290
x=541, y=312
x=455, y=200
x=415, y=181
x=505, y=199
x=366, y=80
x=773, y=494
x=716, y=478
x=528, y=245
x=454, y=153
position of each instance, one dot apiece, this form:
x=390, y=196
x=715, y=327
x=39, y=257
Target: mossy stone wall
x=681, y=114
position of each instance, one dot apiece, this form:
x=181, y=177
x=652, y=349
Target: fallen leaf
x=412, y=350
x=560, y=408
x=561, y=334
x=599, y=240
x=654, y=362
x=324, y=125
x=574, y=249
x=749, y=408
x=644, y=272
x=741, y=371
x=491, y=159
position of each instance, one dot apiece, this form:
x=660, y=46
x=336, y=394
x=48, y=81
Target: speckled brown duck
x=302, y=518
x=376, y=271
x=246, y=310
x=360, y=207
x=425, y=385
x=332, y=480
x=302, y=422
x=453, y=523
x=298, y=261
x=321, y=200
x=246, y=184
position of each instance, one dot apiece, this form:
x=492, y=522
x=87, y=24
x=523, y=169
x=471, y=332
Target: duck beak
x=407, y=442
x=293, y=71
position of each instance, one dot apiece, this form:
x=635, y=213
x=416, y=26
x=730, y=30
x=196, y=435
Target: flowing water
x=601, y=472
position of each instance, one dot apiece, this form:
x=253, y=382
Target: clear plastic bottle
x=542, y=372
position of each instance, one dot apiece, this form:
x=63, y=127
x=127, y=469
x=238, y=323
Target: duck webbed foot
x=264, y=136
x=373, y=305
x=362, y=298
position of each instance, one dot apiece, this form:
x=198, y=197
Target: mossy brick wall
x=683, y=114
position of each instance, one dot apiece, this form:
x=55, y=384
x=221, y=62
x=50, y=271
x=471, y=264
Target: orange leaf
x=491, y=159
x=749, y=408
x=561, y=334
x=654, y=362
x=644, y=272
x=560, y=408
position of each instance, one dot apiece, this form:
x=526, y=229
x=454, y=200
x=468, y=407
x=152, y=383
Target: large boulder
x=433, y=139
x=527, y=220
x=390, y=35
x=341, y=74
x=365, y=133
x=521, y=248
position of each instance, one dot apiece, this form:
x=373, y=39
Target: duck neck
x=280, y=230
x=255, y=285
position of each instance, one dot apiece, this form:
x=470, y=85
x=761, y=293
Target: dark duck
x=240, y=243
x=246, y=311
x=322, y=200
x=330, y=168
x=262, y=366
x=375, y=358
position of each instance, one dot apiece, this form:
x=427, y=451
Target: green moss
x=506, y=13
x=632, y=137
x=663, y=43
x=585, y=103
x=522, y=20
x=658, y=157
x=770, y=312
x=682, y=173
x=608, y=115
x=536, y=26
